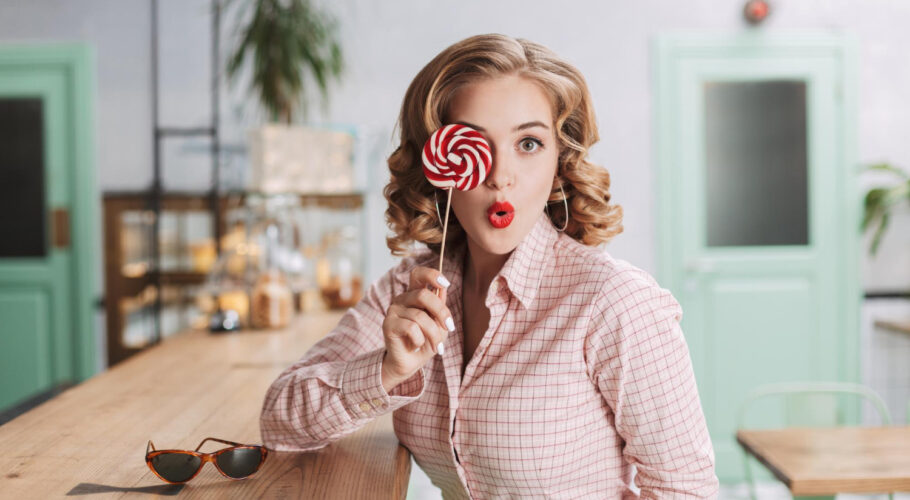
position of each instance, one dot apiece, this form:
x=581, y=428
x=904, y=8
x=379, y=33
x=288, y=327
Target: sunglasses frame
x=151, y=452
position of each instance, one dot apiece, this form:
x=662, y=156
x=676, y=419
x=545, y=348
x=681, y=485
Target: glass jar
x=338, y=271
x=271, y=304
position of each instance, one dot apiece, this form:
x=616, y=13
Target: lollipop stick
x=445, y=227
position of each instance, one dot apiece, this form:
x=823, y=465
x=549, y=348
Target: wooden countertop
x=827, y=461
x=92, y=438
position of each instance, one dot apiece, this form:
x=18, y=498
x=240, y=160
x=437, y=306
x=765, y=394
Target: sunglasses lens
x=176, y=467
x=239, y=462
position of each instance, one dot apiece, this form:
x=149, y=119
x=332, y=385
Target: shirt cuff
x=362, y=390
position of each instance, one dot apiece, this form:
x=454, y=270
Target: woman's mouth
x=500, y=214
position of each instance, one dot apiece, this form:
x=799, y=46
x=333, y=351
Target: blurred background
x=155, y=177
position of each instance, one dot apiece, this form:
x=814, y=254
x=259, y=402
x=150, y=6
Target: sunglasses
x=238, y=461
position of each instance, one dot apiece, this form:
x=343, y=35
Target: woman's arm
x=639, y=359
x=336, y=388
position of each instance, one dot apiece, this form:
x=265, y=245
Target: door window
x=756, y=163
x=22, y=225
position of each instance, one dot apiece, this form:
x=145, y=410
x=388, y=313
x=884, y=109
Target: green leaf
x=873, y=206
x=879, y=232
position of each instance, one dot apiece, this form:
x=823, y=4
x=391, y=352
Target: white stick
x=445, y=227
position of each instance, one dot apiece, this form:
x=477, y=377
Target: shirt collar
x=526, y=266
x=522, y=271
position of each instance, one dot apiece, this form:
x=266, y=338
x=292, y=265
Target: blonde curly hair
x=411, y=213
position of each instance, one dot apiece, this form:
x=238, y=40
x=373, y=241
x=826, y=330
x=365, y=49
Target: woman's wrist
x=389, y=380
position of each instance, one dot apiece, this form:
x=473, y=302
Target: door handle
x=693, y=268
x=60, y=228
x=699, y=266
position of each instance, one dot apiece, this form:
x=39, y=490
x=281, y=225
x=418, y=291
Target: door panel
x=25, y=344
x=756, y=237
x=744, y=331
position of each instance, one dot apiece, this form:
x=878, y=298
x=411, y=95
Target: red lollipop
x=456, y=156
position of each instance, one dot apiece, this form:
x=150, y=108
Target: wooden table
x=92, y=438
x=827, y=461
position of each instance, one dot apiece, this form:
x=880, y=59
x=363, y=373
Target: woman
x=545, y=367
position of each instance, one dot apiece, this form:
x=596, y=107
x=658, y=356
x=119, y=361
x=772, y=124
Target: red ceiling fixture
x=756, y=11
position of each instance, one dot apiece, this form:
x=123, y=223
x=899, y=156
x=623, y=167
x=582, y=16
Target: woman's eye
x=529, y=145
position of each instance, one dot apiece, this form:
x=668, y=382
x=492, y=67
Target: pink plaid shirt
x=582, y=374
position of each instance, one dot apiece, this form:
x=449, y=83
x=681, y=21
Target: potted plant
x=289, y=46
x=880, y=201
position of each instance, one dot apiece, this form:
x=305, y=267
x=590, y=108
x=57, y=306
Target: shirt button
x=494, y=287
x=365, y=406
x=377, y=403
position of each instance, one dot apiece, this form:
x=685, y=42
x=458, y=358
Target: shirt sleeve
x=336, y=387
x=640, y=361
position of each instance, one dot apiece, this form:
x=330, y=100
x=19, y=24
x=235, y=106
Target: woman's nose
x=502, y=174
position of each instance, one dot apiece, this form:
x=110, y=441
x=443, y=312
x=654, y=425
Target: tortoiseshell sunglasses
x=239, y=461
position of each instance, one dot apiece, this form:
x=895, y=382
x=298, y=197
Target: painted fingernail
x=440, y=348
x=450, y=324
x=443, y=281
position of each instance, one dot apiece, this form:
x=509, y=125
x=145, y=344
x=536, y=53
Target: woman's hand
x=415, y=326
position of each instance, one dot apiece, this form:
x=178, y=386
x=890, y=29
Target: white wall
x=386, y=43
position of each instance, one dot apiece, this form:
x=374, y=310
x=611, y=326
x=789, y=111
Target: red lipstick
x=501, y=214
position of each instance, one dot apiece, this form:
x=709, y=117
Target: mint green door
x=48, y=243
x=757, y=215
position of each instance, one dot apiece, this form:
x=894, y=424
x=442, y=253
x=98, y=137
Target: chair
x=804, y=402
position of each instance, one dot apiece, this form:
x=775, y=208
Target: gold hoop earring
x=565, y=204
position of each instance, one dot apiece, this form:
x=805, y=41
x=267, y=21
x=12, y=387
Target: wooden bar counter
x=91, y=439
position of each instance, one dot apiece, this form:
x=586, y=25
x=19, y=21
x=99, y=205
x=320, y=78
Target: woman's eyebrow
x=516, y=129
